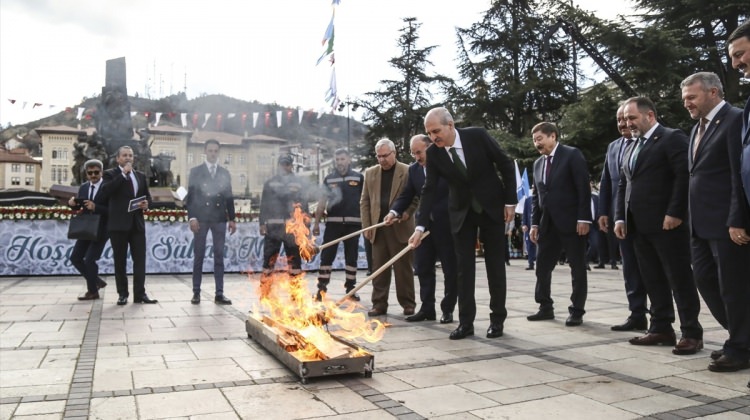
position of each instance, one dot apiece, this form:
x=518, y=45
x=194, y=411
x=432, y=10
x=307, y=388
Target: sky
x=53, y=53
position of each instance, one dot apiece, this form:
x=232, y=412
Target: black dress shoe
x=89, y=296
x=447, y=318
x=716, y=354
x=541, y=315
x=614, y=266
x=494, y=331
x=531, y=267
x=420, y=316
x=728, y=364
x=462, y=331
x=144, y=299
x=100, y=284
x=408, y=310
x=574, y=321
x=598, y=266
x=196, y=299
x=355, y=297
x=122, y=300
x=632, y=324
x=654, y=339
x=222, y=300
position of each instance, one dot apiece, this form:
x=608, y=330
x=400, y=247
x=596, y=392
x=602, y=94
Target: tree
x=397, y=111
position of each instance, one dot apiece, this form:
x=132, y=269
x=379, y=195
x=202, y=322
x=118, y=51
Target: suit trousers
x=635, y=289
x=437, y=246
x=218, y=236
x=551, y=242
x=664, y=261
x=493, y=237
x=120, y=241
x=84, y=258
x=721, y=269
x=385, y=246
x=351, y=254
x=276, y=236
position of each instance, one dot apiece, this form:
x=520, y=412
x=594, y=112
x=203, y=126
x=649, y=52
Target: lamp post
x=353, y=106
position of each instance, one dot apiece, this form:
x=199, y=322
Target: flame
x=288, y=303
x=298, y=226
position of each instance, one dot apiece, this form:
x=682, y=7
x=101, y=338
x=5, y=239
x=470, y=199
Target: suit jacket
x=566, y=196
x=658, y=185
x=745, y=160
x=210, y=199
x=369, y=204
x=100, y=207
x=484, y=159
x=413, y=191
x=715, y=186
x=611, y=178
x=118, y=194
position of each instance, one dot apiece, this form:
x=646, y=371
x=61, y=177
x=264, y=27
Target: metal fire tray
x=266, y=337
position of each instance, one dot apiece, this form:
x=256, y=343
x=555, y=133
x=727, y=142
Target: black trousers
x=84, y=258
x=136, y=241
x=550, y=243
x=493, y=237
x=437, y=246
x=275, y=237
x=332, y=232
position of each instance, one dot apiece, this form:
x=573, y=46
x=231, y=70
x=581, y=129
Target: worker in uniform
x=342, y=190
x=280, y=194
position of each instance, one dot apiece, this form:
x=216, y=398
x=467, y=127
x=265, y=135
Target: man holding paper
x=127, y=193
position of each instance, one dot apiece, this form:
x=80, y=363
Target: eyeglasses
x=93, y=172
x=384, y=156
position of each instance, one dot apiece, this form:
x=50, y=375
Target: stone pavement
x=60, y=358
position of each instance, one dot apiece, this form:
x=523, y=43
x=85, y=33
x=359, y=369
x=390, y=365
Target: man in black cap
x=280, y=194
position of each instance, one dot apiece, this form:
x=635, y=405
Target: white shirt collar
x=710, y=116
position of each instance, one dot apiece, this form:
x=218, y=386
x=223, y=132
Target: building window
x=243, y=179
x=15, y=167
x=29, y=169
x=190, y=158
x=243, y=160
x=54, y=153
x=15, y=181
x=29, y=182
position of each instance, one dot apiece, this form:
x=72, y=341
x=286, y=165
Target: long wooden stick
x=379, y=270
x=351, y=235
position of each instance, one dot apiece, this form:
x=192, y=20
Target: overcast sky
x=54, y=52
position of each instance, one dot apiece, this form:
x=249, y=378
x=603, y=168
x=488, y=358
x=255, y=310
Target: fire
x=298, y=226
x=288, y=305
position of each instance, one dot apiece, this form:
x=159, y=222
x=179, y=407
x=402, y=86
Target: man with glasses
x=86, y=253
x=383, y=183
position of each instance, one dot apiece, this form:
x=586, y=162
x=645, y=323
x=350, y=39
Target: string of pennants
x=269, y=118
x=332, y=97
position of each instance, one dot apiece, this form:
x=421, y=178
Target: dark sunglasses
x=93, y=172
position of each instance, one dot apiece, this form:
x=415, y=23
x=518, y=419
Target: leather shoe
x=447, y=318
x=122, y=300
x=716, y=354
x=144, y=299
x=462, y=331
x=531, y=267
x=89, y=296
x=614, y=267
x=100, y=284
x=541, y=316
x=222, y=300
x=196, y=299
x=631, y=324
x=574, y=320
x=355, y=297
x=420, y=316
x=375, y=312
x=494, y=331
x=408, y=310
x=599, y=266
x=654, y=339
x=728, y=364
x=687, y=346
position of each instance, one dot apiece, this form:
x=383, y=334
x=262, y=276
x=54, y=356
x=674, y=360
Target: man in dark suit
x=210, y=207
x=86, y=253
x=437, y=246
x=717, y=206
x=652, y=205
x=480, y=202
x=560, y=220
x=635, y=290
x=739, y=49
x=126, y=225
x=526, y=227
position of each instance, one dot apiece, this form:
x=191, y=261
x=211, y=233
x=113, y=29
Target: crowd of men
x=678, y=204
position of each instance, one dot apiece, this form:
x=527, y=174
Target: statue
x=162, y=170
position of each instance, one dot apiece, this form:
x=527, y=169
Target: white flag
x=132, y=113
x=278, y=118
x=255, y=119
x=231, y=115
x=183, y=118
x=205, y=121
x=300, y=113
x=158, y=117
x=80, y=112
